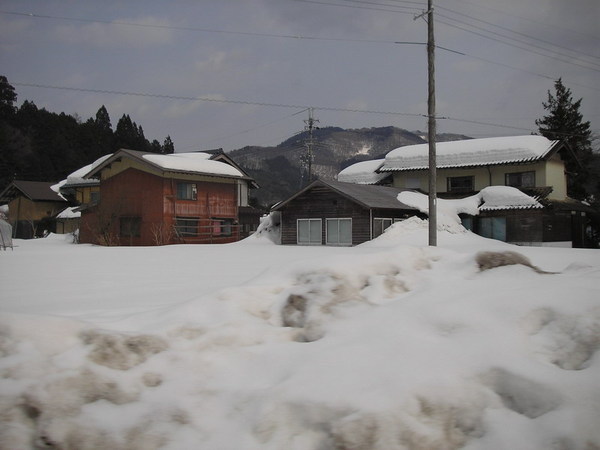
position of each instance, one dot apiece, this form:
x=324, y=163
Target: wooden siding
x=31, y=218
x=322, y=203
x=133, y=193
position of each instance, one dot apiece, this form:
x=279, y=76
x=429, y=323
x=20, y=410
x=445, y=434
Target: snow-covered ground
x=388, y=345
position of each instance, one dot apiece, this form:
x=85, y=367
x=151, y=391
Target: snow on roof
x=364, y=172
x=488, y=199
x=471, y=152
x=506, y=197
x=192, y=162
x=69, y=214
x=77, y=177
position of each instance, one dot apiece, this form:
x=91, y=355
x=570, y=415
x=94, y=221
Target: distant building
x=32, y=206
x=533, y=164
x=153, y=199
x=336, y=213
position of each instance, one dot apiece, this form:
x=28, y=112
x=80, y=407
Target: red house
x=151, y=199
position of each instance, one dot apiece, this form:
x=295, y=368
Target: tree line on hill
x=39, y=145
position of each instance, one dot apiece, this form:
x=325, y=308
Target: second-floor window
x=187, y=191
x=460, y=184
x=520, y=179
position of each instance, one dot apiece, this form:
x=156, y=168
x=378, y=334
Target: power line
x=216, y=100
x=483, y=30
x=359, y=7
x=253, y=128
x=297, y=37
x=195, y=29
x=519, y=34
x=521, y=17
x=264, y=104
x=581, y=54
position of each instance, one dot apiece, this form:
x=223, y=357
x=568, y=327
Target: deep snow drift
x=388, y=345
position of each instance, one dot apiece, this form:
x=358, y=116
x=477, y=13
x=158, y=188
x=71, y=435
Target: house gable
x=327, y=201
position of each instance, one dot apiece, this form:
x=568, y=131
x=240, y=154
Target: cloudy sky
x=230, y=73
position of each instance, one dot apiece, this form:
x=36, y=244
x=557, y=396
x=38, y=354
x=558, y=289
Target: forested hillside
x=282, y=170
x=39, y=145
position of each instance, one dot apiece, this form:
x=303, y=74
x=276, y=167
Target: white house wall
x=547, y=173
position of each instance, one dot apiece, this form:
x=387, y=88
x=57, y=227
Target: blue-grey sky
x=498, y=61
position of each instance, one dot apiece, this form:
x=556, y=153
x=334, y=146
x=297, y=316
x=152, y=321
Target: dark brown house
x=32, y=206
x=150, y=199
x=336, y=213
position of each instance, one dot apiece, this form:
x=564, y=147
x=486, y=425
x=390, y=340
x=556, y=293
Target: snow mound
x=387, y=347
x=268, y=230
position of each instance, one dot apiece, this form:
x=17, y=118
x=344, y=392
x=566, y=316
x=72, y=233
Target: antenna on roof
x=309, y=143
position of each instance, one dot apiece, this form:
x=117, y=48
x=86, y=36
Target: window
x=412, y=183
x=130, y=226
x=493, y=227
x=222, y=227
x=520, y=179
x=94, y=196
x=339, y=231
x=187, y=191
x=186, y=226
x=309, y=231
x=379, y=225
x=460, y=184
x=467, y=222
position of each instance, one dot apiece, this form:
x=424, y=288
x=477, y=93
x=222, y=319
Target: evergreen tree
x=126, y=133
x=565, y=122
x=7, y=99
x=168, y=147
x=102, y=120
x=155, y=146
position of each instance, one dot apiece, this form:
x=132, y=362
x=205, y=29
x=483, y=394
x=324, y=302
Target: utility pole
x=431, y=127
x=310, y=126
x=431, y=124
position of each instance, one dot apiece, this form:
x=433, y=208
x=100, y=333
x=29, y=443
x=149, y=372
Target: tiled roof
x=471, y=153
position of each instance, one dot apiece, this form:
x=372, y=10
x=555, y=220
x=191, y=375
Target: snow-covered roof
x=69, y=213
x=488, y=199
x=192, y=162
x=364, y=172
x=198, y=163
x=77, y=178
x=506, y=197
x=471, y=152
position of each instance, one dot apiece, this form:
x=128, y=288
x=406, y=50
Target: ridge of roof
x=472, y=152
x=368, y=196
x=141, y=157
x=35, y=190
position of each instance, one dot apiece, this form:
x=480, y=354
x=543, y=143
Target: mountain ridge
x=334, y=148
